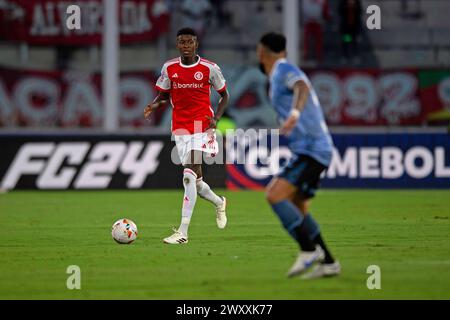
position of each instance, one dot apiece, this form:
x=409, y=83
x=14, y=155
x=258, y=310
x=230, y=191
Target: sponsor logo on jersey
x=177, y=85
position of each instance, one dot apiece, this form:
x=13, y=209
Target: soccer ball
x=124, y=231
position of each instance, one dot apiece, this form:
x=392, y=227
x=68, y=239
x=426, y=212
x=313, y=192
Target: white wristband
x=295, y=113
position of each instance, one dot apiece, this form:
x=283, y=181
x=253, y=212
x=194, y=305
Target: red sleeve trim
x=161, y=89
x=223, y=89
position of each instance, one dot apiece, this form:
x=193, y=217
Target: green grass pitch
x=405, y=233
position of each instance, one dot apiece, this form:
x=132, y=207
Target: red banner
x=71, y=99
x=348, y=97
x=44, y=22
x=369, y=97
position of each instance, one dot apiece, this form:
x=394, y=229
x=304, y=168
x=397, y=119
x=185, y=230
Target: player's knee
x=271, y=196
x=189, y=176
x=197, y=169
x=276, y=193
x=200, y=185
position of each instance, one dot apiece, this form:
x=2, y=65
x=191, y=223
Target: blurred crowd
x=198, y=14
x=316, y=16
x=332, y=32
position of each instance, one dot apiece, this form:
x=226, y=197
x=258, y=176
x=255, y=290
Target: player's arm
x=223, y=103
x=218, y=82
x=161, y=99
x=163, y=85
x=300, y=96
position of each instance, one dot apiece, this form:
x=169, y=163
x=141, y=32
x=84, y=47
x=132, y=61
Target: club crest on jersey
x=198, y=75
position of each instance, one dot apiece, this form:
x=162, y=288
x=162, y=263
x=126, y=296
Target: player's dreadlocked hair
x=275, y=42
x=187, y=31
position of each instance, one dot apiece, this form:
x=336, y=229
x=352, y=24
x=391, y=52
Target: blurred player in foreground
x=186, y=82
x=289, y=194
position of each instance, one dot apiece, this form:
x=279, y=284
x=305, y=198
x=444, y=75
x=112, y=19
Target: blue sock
x=289, y=215
x=311, y=225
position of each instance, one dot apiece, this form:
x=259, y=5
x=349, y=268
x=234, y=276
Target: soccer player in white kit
x=186, y=82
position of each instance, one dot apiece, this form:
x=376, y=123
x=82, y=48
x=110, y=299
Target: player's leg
x=192, y=169
x=329, y=266
x=205, y=192
x=203, y=189
x=312, y=226
x=279, y=194
x=309, y=183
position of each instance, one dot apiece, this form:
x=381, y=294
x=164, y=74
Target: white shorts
x=205, y=142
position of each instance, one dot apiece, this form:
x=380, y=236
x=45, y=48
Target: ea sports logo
x=198, y=76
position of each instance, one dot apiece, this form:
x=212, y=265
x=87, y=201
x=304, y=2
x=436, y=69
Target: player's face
x=187, y=45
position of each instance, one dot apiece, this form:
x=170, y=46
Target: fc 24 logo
x=54, y=163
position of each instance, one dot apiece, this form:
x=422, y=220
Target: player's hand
x=289, y=124
x=212, y=122
x=150, y=108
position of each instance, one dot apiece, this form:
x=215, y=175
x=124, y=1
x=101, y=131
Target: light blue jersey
x=310, y=136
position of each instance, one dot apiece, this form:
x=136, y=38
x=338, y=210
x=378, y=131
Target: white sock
x=206, y=193
x=190, y=196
